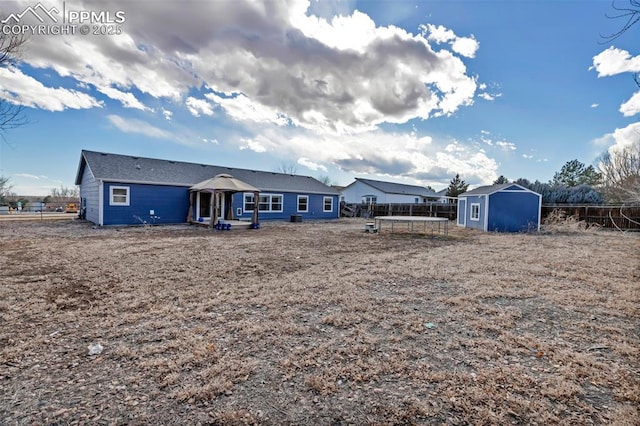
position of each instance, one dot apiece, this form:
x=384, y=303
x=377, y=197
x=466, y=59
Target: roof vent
x=136, y=158
x=138, y=166
x=172, y=162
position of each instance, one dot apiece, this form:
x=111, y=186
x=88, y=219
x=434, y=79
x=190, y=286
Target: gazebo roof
x=224, y=182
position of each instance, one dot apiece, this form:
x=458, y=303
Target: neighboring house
x=443, y=198
x=370, y=191
x=504, y=208
x=126, y=190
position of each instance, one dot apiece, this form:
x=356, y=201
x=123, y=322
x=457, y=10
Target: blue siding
x=475, y=224
x=169, y=203
x=513, y=211
x=89, y=191
x=290, y=207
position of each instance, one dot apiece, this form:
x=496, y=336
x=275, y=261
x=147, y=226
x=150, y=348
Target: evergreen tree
x=501, y=180
x=575, y=173
x=456, y=186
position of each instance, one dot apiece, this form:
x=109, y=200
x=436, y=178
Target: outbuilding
x=128, y=190
x=503, y=208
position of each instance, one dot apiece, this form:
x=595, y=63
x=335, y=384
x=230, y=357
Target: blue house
x=127, y=190
x=503, y=208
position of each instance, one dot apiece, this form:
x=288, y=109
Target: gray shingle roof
x=490, y=189
x=133, y=169
x=398, y=188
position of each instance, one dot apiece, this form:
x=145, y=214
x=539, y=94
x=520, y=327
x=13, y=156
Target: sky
x=404, y=91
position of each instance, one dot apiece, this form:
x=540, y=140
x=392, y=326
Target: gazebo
x=222, y=187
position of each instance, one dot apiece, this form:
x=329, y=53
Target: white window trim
x=324, y=199
x=244, y=202
x=257, y=203
x=114, y=203
x=471, y=217
x=369, y=199
x=298, y=204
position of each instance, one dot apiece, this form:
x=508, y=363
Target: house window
x=269, y=203
x=118, y=195
x=369, y=199
x=416, y=200
x=475, y=211
x=303, y=203
x=249, y=202
x=327, y=204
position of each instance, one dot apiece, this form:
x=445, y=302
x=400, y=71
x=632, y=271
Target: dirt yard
x=316, y=323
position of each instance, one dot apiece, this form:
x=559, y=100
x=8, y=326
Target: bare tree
x=287, y=168
x=630, y=14
x=5, y=189
x=620, y=171
x=62, y=193
x=325, y=179
x=11, y=115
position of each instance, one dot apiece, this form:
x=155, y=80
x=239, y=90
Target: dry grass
x=317, y=323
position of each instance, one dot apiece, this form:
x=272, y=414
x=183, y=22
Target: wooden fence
x=609, y=216
x=372, y=210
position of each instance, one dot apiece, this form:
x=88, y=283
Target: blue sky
x=403, y=91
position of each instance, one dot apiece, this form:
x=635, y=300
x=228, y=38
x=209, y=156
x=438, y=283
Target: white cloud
x=632, y=106
x=594, y=105
x=465, y=46
x=398, y=155
x=489, y=96
x=621, y=138
x=198, y=106
x=241, y=108
x=29, y=176
x=129, y=125
x=258, y=144
x=615, y=61
x=128, y=100
x=343, y=75
x=311, y=165
x=22, y=89
x=506, y=146
x=168, y=115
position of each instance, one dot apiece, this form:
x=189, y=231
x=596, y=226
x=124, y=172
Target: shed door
x=462, y=211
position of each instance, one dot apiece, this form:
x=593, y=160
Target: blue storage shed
x=128, y=190
x=503, y=208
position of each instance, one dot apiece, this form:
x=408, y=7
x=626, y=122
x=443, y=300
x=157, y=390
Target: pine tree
x=456, y=186
x=501, y=180
x=575, y=173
